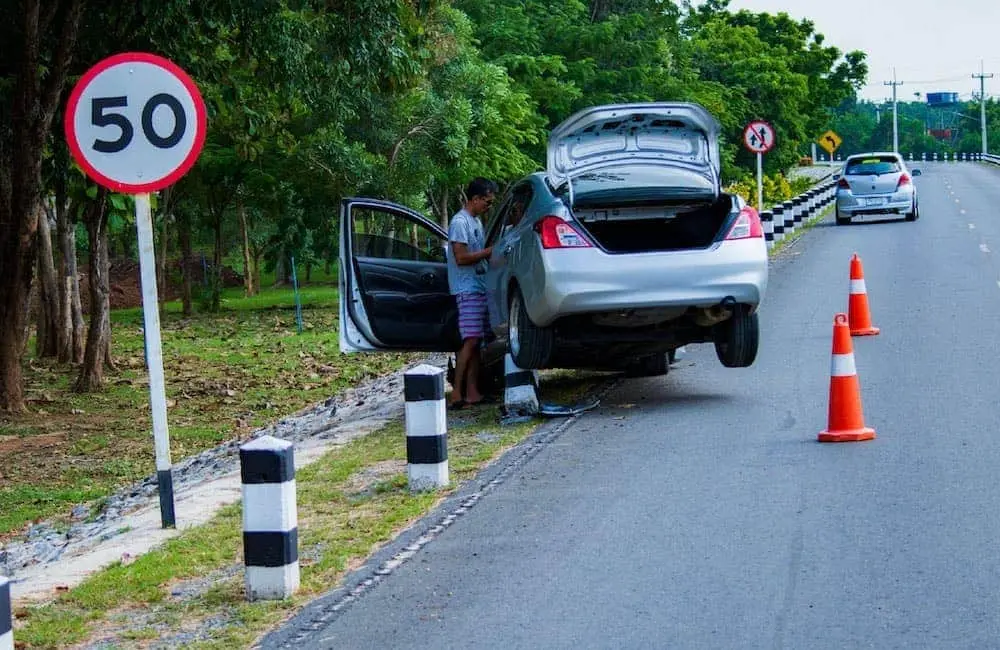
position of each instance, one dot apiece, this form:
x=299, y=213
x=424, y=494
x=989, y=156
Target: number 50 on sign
x=135, y=122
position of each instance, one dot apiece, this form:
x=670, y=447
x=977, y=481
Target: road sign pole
x=760, y=182
x=154, y=358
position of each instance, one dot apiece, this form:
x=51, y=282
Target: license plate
x=875, y=201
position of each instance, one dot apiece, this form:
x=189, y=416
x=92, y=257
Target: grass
x=227, y=374
x=190, y=590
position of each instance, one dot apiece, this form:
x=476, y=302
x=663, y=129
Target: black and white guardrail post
x=426, y=428
x=789, y=213
x=520, y=393
x=270, y=519
x=779, y=222
x=6, y=619
x=767, y=221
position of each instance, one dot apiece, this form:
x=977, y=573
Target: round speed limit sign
x=135, y=122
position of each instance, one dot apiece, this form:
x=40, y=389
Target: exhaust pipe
x=710, y=316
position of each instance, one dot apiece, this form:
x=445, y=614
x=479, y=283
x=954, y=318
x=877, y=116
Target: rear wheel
x=841, y=221
x=737, y=339
x=914, y=214
x=655, y=365
x=530, y=345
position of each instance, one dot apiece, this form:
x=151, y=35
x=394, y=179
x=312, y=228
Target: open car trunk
x=652, y=228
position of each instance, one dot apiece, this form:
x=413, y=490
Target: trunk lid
x=678, y=142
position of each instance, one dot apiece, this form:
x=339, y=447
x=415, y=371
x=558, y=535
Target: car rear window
x=872, y=166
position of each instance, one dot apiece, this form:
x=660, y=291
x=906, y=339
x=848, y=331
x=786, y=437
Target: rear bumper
x=849, y=205
x=584, y=281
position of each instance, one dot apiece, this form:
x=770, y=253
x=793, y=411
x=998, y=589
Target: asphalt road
x=698, y=510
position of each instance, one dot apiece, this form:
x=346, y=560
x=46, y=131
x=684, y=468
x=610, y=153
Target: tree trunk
x=443, y=214
x=47, y=337
x=36, y=79
x=92, y=372
x=248, y=278
x=309, y=271
x=70, y=310
x=184, y=235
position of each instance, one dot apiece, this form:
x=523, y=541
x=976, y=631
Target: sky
x=934, y=45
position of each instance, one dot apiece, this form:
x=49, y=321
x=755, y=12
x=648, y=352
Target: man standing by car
x=466, y=250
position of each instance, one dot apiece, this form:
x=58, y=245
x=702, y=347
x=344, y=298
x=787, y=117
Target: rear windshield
x=864, y=166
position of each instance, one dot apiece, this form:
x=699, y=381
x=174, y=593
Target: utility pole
x=982, y=101
x=895, y=113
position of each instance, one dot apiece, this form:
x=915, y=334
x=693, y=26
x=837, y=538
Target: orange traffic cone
x=846, y=422
x=857, y=307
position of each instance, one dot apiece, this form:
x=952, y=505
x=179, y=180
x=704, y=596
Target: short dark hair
x=480, y=186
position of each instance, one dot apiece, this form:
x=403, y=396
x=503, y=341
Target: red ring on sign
x=201, y=122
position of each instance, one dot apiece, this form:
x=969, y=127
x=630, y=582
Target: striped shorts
x=472, y=315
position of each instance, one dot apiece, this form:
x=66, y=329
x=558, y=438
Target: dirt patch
x=17, y=444
x=126, y=288
x=363, y=481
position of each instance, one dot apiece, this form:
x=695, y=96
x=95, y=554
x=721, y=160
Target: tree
x=36, y=51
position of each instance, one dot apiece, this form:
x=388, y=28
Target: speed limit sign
x=135, y=122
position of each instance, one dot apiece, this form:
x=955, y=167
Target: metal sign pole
x=760, y=182
x=154, y=358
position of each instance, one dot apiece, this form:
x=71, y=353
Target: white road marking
x=972, y=226
x=962, y=210
x=984, y=248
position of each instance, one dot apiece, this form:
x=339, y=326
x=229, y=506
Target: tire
x=655, y=365
x=915, y=214
x=737, y=339
x=530, y=345
x=841, y=221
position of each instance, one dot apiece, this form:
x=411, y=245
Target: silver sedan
x=624, y=249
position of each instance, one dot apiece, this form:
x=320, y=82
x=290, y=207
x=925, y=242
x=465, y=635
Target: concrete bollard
x=767, y=221
x=270, y=519
x=779, y=222
x=426, y=428
x=923, y=156
x=6, y=620
x=798, y=208
x=520, y=394
x=789, y=218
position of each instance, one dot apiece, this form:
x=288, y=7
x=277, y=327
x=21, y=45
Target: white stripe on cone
x=858, y=286
x=843, y=366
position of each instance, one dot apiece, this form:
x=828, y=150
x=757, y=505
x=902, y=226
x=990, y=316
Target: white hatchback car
x=623, y=250
x=876, y=184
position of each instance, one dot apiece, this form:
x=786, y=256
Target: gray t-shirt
x=468, y=230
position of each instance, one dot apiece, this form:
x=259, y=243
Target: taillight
x=747, y=225
x=556, y=233
x=904, y=179
x=843, y=184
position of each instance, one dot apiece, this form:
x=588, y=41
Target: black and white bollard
x=6, y=620
x=520, y=393
x=270, y=519
x=779, y=222
x=426, y=428
x=789, y=212
x=767, y=221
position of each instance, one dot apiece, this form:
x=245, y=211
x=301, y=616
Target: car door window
x=386, y=235
x=511, y=212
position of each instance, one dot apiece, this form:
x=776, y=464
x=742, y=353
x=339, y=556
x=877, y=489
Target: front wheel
x=530, y=345
x=737, y=339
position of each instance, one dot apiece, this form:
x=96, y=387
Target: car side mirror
x=836, y=177
x=916, y=172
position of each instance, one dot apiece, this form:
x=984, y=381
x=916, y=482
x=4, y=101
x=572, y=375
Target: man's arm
x=465, y=258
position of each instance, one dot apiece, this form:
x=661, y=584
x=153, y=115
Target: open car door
x=393, y=280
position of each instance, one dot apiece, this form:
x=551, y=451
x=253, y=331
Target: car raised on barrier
x=624, y=249
x=876, y=184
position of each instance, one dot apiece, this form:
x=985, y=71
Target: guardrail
x=995, y=160
x=781, y=220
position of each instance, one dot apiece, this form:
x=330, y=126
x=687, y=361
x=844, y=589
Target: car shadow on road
x=873, y=222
